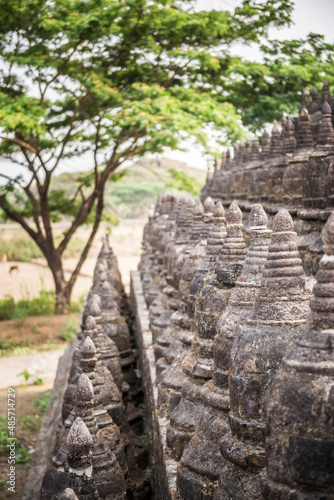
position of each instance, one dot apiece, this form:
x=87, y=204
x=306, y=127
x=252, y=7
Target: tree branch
x=20, y=143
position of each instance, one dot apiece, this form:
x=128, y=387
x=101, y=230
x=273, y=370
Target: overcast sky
x=315, y=16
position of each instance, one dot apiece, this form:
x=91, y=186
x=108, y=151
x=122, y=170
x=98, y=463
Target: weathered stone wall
x=234, y=339
x=91, y=442
x=292, y=170
x=239, y=377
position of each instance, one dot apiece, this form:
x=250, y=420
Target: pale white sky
x=309, y=16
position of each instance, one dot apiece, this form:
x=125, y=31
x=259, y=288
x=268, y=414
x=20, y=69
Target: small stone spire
x=94, y=310
x=255, y=153
x=304, y=134
x=290, y=271
x=289, y=144
x=209, y=205
x=283, y=125
x=228, y=159
x=207, y=217
x=234, y=247
x=265, y=144
x=276, y=321
x=304, y=101
x=196, y=224
x=223, y=161
x=241, y=153
x=79, y=443
x=247, y=151
x=107, y=301
x=218, y=231
x=88, y=349
x=299, y=437
x=91, y=456
x=315, y=101
x=326, y=132
x=325, y=94
x=215, y=165
x=276, y=145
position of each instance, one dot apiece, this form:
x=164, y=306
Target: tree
x=114, y=78
x=262, y=92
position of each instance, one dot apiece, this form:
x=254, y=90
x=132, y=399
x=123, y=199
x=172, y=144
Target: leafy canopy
x=82, y=75
x=117, y=79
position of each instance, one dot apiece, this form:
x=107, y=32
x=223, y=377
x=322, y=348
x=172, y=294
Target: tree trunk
x=63, y=300
x=63, y=291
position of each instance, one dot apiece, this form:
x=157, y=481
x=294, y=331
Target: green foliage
x=42, y=402
x=3, y=433
x=23, y=347
x=30, y=422
x=22, y=454
x=36, y=379
x=43, y=305
x=20, y=248
x=3, y=485
x=7, y=308
x=146, y=441
x=183, y=182
x=118, y=80
x=25, y=374
x=149, y=474
x=69, y=331
x=264, y=91
x=38, y=306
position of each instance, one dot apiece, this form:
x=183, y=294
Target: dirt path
x=40, y=365
x=32, y=277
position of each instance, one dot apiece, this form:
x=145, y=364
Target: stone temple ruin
x=224, y=354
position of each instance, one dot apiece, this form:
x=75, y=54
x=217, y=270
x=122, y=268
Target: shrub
x=20, y=248
x=69, y=331
x=42, y=403
x=44, y=305
x=7, y=308
x=3, y=433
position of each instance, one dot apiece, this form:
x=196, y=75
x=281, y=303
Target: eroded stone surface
x=300, y=435
x=276, y=322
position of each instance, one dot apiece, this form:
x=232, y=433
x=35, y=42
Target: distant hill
x=132, y=195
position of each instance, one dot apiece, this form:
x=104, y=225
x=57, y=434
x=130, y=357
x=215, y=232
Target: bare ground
x=34, y=276
x=35, y=333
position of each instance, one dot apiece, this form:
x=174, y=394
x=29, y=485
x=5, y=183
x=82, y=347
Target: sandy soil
x=32, y=277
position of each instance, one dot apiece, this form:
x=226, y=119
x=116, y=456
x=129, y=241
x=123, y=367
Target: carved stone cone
x=74, y=477
x=88, y=360
x=277, y=320
x=276, y=144
x=304, y=134
x=79, y=443
x=326, y=132
x=211, y=300
x=300, y=400
x=179, y=333
x=201, y=461
x=215, y=239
